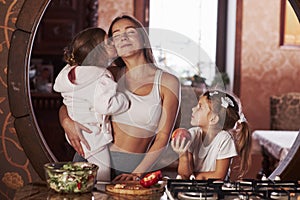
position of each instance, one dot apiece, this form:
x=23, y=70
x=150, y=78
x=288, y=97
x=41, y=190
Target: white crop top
x=145, y=111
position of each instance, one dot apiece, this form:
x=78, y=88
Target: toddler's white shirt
x=90, y=100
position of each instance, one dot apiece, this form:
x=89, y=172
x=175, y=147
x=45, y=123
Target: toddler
x=90, y=95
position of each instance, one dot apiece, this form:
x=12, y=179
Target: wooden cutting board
x=134, y=188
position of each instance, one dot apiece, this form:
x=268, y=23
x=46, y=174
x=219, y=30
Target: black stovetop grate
x=266, y=189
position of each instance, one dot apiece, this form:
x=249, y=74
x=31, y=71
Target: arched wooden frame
x=29, y=134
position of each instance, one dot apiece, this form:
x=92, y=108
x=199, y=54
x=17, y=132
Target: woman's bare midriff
x=130, y=139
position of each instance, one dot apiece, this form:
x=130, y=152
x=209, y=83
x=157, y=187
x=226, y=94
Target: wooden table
x=39, y=191
x=275, y=145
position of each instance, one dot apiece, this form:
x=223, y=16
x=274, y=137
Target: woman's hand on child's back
x=74, y=133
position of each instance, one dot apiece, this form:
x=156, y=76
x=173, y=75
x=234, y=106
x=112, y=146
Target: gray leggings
x=124, y=162
x=120, y=162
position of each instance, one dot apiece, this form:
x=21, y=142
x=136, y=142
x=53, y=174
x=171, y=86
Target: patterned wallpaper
x=15, y=169
x=115, y=9
x=266, y=68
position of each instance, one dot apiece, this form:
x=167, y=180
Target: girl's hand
x=179, y=145
x=74, y=130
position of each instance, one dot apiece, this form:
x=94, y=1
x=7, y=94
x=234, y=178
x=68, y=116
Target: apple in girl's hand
x=182, y=133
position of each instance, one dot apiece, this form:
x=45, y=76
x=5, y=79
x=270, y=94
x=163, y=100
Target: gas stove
x=244, y=189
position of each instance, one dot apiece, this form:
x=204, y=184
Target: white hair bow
x=242, y=118
x=226, y=101
x=213, y=93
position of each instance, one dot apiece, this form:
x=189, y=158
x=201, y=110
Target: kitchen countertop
x=274, y=146
x=276, y=142
x=39, y=191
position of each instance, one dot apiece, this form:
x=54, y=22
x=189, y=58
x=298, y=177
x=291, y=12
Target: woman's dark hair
x=147, y=51
x=85, y=48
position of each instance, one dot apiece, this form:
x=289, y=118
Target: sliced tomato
x=151, y=179
x=79, y=185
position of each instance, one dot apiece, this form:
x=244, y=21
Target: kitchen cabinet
x=61, y=21
x=46, y=107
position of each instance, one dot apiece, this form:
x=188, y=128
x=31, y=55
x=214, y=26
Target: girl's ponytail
x=243, y=143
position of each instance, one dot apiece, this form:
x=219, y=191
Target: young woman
x=220, y=133
x=142, y=133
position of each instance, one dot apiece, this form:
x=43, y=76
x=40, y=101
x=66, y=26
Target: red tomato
x=79, y=185
x=182, y=133
x=151, y=179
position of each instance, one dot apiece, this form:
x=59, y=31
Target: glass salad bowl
x=71, y=177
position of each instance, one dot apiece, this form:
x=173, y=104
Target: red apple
x=182, y=133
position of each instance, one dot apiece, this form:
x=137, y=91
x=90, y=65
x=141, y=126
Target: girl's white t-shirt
x=205, y=157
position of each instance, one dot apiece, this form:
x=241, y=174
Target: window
x=290, y=28
x=183, y=36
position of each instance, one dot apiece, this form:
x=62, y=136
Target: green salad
x=77, y=177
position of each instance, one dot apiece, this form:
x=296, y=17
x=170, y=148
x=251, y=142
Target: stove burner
x=196, y=195
x=241, y=197
x=275, y=195
x=245, y=189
